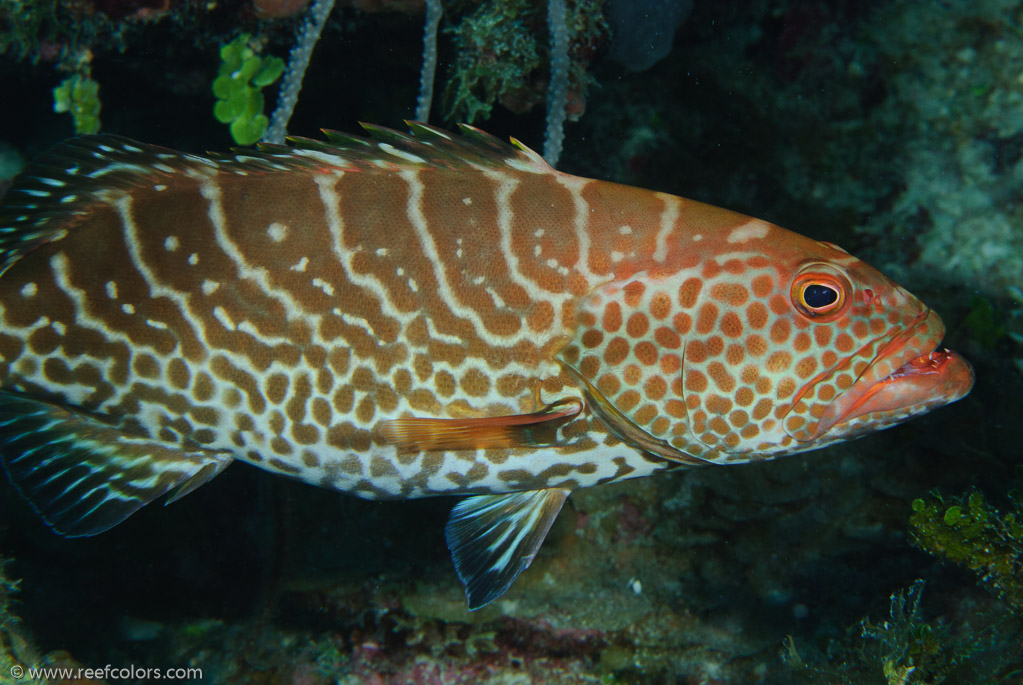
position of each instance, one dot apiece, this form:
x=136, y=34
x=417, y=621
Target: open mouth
x=909, y=375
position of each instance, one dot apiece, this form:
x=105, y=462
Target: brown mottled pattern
x=282, y=307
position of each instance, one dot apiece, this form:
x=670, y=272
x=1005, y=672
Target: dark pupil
x=817, y=296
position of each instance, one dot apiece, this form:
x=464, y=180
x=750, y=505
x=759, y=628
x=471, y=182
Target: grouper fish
x=410, y=315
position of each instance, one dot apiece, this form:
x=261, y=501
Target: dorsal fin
x=55, y=191
x=385, y=148
x=60, y=187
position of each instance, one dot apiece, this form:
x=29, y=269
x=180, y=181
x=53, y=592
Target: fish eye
x=819, y=294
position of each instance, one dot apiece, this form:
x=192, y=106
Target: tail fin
x=83, y=476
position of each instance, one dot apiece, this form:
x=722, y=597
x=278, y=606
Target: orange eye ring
x=819, y=295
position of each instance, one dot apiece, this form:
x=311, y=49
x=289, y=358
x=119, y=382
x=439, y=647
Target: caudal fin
x=83, y=476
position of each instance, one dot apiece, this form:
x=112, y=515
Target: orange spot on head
x=695, y=381
x=668, y=338
x=763, y=286
x=616, y=352
x=731, y=325
x=592, y=338
x=738, y=418
x=714, y=345
x=722, y=379
x=822, y=334
x=762, y=409
x=806, y=367
x=707, y=318
x=634, y=293
x=779, y=305
x=718, y=405
x=711, y=269
x=689, y=293
x=612, y=317
x=860, y=330
x=645, y=414
x=660, y=306
x=844, y=343
x=696, y=352
x=786, y=387
x=735, y=266
x=632, y=374
x=733, y=294
x=609, y=385
x=756, y=315
x=637, y=325
x=670, y=363
x=628, y=400
x=802, y=342
x=589, y=366
x=779, y=361
x=744, y=397
x=780, y=331
x=756, y=345
x=655, y=388
x=682, y=323
x=675, y=408
x=735, y=354
x=646, y=352
x=749, y=374
x=719, y=425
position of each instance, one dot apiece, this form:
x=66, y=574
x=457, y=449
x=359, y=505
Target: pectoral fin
x=493, y=538
x=518, y=430
x=83, y=476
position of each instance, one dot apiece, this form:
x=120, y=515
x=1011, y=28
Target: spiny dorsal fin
x=494, y=538
x=385, y=148
x=56, y=190
x=83, y=476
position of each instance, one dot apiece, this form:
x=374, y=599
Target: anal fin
x=494, y=538
x=83, y=476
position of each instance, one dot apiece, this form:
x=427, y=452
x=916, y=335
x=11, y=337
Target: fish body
x=418, y=315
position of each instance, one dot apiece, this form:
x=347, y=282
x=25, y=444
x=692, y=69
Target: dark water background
x=894, y=129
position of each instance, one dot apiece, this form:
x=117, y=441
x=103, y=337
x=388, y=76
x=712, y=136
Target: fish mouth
x=909, y=375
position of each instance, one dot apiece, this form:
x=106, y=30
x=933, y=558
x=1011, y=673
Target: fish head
x=743, y=354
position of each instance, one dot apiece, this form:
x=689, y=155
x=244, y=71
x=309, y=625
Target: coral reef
x=15, y=650
x=906, y=649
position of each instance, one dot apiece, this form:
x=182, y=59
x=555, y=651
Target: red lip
x=923, y=378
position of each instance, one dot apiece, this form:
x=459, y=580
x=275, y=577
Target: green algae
x=970, y=532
